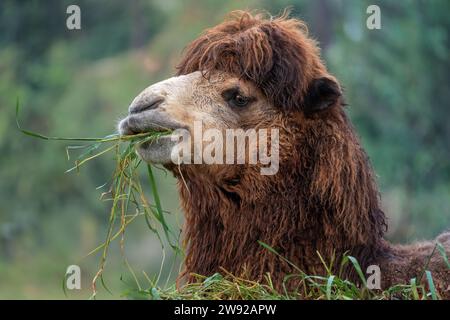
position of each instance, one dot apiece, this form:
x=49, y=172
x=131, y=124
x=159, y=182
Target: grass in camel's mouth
x=126, y=192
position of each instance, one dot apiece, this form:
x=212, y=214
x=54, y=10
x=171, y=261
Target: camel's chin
x=157, y=151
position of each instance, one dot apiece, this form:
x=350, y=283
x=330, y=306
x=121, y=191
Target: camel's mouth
x=141, y=123
x=157, y=150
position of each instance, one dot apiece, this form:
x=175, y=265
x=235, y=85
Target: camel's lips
x=153, y=122
x=158, y=150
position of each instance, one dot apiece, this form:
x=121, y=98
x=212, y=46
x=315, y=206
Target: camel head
x=218, y=102
x=248, y=73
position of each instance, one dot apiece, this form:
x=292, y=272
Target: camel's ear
x=322, y=93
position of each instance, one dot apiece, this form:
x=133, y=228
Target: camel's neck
x=223, y=230
x=323, y=199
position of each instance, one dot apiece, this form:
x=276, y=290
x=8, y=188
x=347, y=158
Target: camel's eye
x=235, y=99
x=240, y=101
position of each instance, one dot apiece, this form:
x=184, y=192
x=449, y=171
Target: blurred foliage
x=79, y=82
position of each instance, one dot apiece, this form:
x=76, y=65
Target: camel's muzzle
x=146, y=113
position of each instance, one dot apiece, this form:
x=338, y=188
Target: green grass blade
x=414, y=290
x=358, y=270
x=266, y=246
x=80, y=163
x=329, y=286
x=431, y=285
x=441, y=250
x=154, y=190
x=159, y=211
x=64, y=285
x=109, y=138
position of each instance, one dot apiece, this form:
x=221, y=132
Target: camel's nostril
x=145, y=104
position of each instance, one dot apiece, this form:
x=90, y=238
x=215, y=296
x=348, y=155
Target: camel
x=251, y=71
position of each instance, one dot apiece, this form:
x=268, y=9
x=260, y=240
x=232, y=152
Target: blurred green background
x=80, y=82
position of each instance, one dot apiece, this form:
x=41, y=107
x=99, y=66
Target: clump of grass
x=224, y=286
x=332, y=286
x=126, y=191
x=220, y=286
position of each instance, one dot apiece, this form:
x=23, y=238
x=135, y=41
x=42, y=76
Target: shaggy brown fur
x=324, y=197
